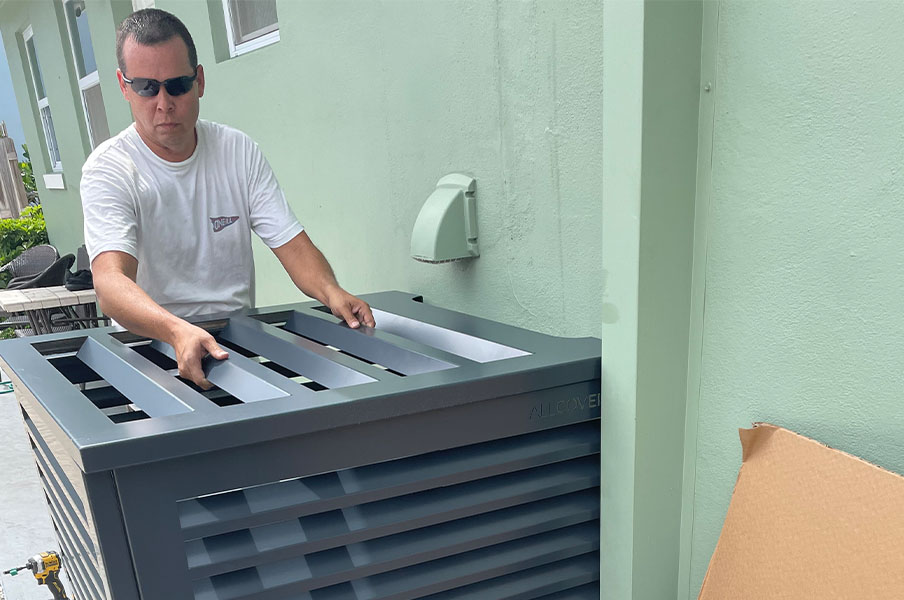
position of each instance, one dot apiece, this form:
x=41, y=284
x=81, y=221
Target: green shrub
x=28, y=175
x=17, y=235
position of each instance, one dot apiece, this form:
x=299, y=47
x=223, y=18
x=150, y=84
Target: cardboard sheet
x=806, y=521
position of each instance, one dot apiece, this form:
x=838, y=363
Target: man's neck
x=171, y=153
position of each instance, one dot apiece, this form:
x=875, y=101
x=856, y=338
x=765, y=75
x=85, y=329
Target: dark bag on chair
x=80, y=280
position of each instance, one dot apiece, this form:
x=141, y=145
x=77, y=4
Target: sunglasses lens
x=179, y=85
x=145, y=87
x=151, y=87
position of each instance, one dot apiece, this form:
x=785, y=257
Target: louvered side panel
x=65, y=493
x=67, y=481
x=77, y=561
x=357, y=524
x=434, y=522
x=240, y=509
x=73, y=565
x=78, y=588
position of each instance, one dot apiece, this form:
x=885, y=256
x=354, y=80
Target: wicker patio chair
x=64, y=318
x=25, y=266
x=31, y=262
x=54, y=274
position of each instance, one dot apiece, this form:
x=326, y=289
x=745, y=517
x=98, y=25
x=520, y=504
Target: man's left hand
x=354, y=311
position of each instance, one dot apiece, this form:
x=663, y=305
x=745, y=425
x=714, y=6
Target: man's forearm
x=308, y=268
x=311, y=273
x=320, y=281
x=121, y=299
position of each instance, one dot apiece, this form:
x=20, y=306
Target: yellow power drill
x=46, y=569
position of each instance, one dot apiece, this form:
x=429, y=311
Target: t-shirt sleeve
x=271, y=217
x=109, y=207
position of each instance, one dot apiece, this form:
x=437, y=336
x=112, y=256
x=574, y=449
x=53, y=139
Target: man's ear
x=122, y=84
x=200, y=81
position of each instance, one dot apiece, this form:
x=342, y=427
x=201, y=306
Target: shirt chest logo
x=220, y=223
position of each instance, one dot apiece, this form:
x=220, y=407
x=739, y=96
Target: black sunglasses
x=175, y=86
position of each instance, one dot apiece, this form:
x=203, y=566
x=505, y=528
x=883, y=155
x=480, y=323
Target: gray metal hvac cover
x=437, y=456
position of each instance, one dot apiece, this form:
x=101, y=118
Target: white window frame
x=84, y=83
x=250, y=45
x=53, y=147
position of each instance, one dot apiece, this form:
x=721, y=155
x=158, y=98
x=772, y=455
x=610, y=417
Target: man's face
x=166, y=123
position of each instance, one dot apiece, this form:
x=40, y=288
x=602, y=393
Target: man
x=171, y=201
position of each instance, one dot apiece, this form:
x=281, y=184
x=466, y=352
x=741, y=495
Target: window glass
x=35, y=68
x=37, y=78
x=97, y=116
x=50, y=135
x=86, y=70
x=82, y=49
x=252, y=19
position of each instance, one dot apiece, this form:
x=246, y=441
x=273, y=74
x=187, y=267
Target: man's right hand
x=192, y=344
x=121, y=298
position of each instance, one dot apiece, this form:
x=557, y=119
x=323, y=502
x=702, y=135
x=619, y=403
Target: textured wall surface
x=362, y=106
x=804, y=277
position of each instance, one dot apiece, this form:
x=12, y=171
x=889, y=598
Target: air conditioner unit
x=438, y=456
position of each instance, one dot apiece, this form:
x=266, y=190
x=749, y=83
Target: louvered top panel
x=117, y=400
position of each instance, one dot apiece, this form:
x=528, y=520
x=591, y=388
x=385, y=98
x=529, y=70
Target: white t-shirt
x=187, y=223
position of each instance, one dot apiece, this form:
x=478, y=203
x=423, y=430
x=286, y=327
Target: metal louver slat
x=421, y=579
x=259, y=505
x=505, y=558
x=243, y=378
x=75, y=555
x=247, y=547
x=572, y=575
x=367, y=344
x=144, y=383
x=420, y=544
x=52, y=488
x=74, y=574
x=293, y=352
x=43, y=452
x=455, y=342
x=353, y=562
x=584, y=592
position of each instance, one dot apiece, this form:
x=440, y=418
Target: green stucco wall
x=804, y=282
x=622, y=168
x=363, y=105
x=650, y=107
x=670, y=104
x=61, y=207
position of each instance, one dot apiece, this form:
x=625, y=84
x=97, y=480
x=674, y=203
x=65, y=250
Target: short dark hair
x=151, y=26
